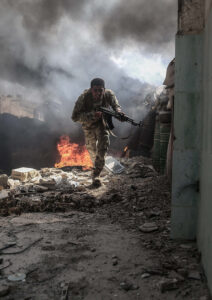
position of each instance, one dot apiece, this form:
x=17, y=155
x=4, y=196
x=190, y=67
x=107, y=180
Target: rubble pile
x=51, y=189
x=136, y=202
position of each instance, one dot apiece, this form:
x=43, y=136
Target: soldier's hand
x=98, y=115
x=122, y=116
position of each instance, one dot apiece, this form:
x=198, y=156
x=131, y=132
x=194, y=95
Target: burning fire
x=72, y=154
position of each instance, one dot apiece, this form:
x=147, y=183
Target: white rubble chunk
x=36, y=179
x=24, y=174
x=4, y=195
x=13, y=183
x=52, y=180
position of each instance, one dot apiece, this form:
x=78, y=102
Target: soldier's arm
x=114, y=102
x=79, y=114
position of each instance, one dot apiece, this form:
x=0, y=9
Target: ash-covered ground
x=62, y=239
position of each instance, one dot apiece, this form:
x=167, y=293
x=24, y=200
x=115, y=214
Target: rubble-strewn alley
x=61, y=239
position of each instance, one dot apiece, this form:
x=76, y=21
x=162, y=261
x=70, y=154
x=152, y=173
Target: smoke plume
x=50, y=49
x=150, y=23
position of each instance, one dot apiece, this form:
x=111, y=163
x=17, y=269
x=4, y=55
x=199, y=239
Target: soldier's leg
x=90, y=142
x=103, y=142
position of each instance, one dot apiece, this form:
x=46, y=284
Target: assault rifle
x=108, y=114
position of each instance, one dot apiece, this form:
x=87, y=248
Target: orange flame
x=72, y=154
x=125, y=149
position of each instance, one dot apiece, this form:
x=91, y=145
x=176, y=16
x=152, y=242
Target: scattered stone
x=153, y=213
x=127, y=286
x=194, y=275
x=35, y=199
x=145, y=275
x=182, y=272
x=148, y=227
x=4, y=195
x=4, y=290
x=186, y=246
x=169, y=285
x=174, y=274
x=115, y=261
x=40, y=188
x=17, y=277
x=155, y=271
x=49, y=182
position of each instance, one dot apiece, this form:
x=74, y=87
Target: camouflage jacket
x=85, y=106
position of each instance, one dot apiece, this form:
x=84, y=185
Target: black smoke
x=151, y=23
x=51, y=49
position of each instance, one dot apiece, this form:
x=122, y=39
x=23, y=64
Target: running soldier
x=95, y=129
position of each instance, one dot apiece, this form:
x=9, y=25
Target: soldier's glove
x=122, y=116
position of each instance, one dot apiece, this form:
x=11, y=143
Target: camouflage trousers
x=97, y=143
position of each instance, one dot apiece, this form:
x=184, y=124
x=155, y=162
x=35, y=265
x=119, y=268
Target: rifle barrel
x=118, y=116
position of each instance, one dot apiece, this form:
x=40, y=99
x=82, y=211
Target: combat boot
x=96, y=181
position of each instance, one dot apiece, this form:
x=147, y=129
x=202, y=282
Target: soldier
x=94, y=127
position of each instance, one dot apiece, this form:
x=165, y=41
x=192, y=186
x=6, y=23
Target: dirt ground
x=97, y=244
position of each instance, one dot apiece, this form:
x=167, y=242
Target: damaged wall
x=205, y=207
x=191, y=16
x=191, y=206
x=187, y=119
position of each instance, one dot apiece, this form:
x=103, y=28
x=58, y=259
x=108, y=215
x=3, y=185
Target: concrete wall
x=187, y=130
x=205, y=206
x=191, y=16
x=187, y=118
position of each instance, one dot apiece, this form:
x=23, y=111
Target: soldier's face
x=97, y=92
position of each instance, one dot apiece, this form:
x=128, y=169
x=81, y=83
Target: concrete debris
x=97, y=232
x=4, y=195
x=127, y=286
x=40, y=188
x=51, y=181
x=194, y=275
x=17, y=277
x=24, y=174
x=169, y=285
x=186, y=246
x=145, y=275
x=115, y=262
x=13, y=183
x=148, y=227
x=4, y=290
